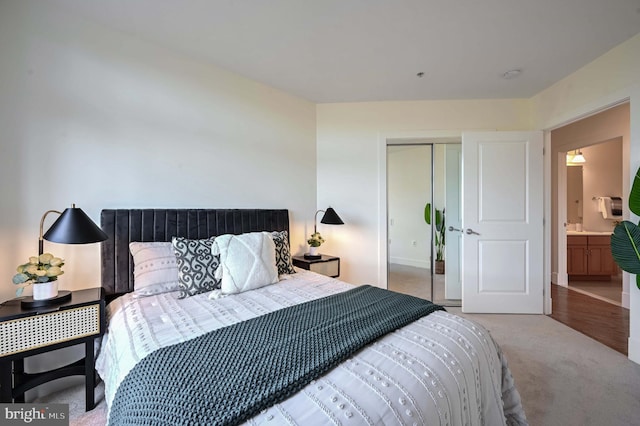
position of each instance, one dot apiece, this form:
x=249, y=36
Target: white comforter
x=439, y=370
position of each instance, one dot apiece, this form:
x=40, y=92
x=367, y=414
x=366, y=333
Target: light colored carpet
x=74, y=396
x=417, y=282
x=564, y=377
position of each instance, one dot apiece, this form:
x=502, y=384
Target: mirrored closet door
x=423, y=202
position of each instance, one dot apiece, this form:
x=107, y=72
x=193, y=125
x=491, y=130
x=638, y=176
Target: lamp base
x=29, y=302
x=312, y=256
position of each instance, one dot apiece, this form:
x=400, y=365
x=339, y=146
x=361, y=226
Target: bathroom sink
x=583, y=232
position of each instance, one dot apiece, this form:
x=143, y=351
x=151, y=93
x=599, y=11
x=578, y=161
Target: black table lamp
x=72, y=227
x=330, y=217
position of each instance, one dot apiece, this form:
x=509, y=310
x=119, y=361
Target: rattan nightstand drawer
x=34, y=330
x=24, y=334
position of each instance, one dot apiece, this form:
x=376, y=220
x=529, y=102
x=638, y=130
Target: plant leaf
x=427, y=213
x=20, y=278
x=440, y=220
x=634, y=195
x=625, y=246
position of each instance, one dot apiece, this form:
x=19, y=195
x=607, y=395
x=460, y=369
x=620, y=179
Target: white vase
x=46, y=290
x=313, y=251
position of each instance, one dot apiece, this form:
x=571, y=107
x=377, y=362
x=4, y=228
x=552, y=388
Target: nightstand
x=326, y=265
x=26, y=332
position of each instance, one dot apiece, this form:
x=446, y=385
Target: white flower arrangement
x=316, y=240
x=39, y=269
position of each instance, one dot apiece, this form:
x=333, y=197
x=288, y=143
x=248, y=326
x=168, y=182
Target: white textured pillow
x=155, y=269
x=247, y=261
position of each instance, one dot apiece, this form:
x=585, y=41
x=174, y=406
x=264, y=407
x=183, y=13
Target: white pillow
x=155, y=268
x=247, y=261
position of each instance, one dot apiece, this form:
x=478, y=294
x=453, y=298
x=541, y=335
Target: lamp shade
x=330, y=217
x=74, y=227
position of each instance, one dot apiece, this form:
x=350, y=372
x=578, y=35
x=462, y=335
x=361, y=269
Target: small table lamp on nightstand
x=330, y=217
x=72, y=227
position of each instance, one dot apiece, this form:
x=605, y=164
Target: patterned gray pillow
x=283, y=253
x=196, y=266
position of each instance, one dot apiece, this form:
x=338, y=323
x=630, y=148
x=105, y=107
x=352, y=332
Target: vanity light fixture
x=575, y=157
x=579, y=158
x=569, y=158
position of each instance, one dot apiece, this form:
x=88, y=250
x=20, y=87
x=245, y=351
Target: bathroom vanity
x=589, y=256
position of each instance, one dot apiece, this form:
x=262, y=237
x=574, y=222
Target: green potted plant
x=41, y=271
x=314, y=242
x=625, y=240
x=439, y=235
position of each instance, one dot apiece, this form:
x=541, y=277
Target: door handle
x=451, y=228
x=471, y=231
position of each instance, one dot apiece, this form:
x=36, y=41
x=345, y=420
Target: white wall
x=352, y=159
x=613, y=77
x=409, y=189
x=601, y=177
x=104, y=120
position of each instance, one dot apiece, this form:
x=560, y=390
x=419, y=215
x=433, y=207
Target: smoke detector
x=511, y=74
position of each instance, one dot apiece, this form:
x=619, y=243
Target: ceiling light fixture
x=511, y=74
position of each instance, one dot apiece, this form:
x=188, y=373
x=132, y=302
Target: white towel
x=247, y=261
x=604, y=206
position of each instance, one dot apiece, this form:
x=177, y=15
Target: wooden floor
x=609, y=291
x=602, y=321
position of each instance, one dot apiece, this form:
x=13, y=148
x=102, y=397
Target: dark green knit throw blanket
x=229, y=375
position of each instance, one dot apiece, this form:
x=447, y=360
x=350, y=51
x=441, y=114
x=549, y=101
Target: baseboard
x=560, y=279
x=634, y=350
x=410, y=262
x=626, y=300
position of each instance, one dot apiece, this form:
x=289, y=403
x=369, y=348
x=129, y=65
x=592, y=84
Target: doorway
x=423, y=198
x=586, y=275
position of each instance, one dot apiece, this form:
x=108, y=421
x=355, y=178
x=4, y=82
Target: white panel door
x=502, y=244
x=453, y=237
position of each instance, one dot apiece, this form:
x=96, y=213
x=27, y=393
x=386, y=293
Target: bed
x=167, y=351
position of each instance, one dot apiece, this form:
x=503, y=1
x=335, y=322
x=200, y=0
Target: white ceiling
x=371, y=50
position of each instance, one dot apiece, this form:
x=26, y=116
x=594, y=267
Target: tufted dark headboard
x=126, y=225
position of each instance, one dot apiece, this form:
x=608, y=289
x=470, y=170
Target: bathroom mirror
x=574, y=194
